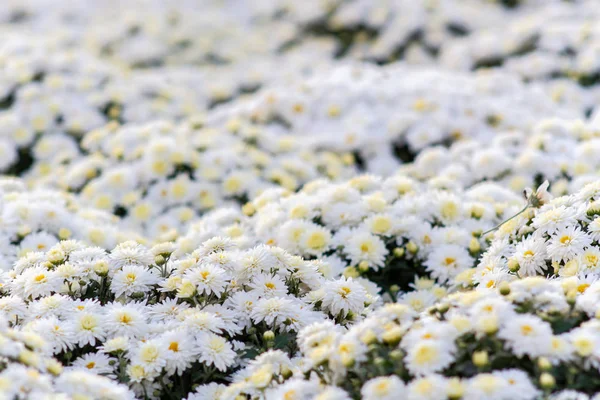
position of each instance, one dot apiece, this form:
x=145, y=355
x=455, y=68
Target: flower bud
x=369, y=337
x=480, y=359
x=351, y=272
x=513, y=265
x=101, y=268
x=398, y=252
x=456, y=389
x=347, y=360
x=443, y=308
x=392, y=336
x=547, y=381
x=396, y=354
x=248, y=209
x=379, y=361
x=544, y=364
x=269, y=335
x=64, y=233
x=56, y=256
x=286, y=372
x=504, y=289
x=412, y=247
x=474, y=246
x=363, y=266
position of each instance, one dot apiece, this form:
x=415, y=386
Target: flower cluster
x=158, y=176
x=557, y=239
x=146, y=317
x=531, y=338
x=316, y=199
x=36, y=220
x=27, y=372
x=557, y=150
x=554, y=41
x=390, y=231
x=386, y=115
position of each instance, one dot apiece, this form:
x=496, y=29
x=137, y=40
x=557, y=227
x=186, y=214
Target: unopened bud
x=513, y=265
x=547, y=381
x=474, y=246
x=396, y=354
x=480, y=358
x=363, y=266
x=398, y=252
x=412, y=247
x=392, y=336
x=544, y=364
x=248, y=209
x=351, y=272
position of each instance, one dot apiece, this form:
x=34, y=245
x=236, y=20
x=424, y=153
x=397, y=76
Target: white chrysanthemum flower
x=273, y=311
x=215, y=350
x=383, y=388
x=527, y=335
x=95, y=362
x=132, y=279
x=125, y=320
x=130, y=253
x=431, y=387
x=39, y=281
x=344, y=295
x=363, y=246
x=150, y=355
x=268, y=286
x=530, y=255
x=568, y=243
x=208, y=279
x=87, y=328
x=447, y=261
x=429, y=356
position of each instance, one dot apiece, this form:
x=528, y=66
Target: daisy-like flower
x=215, y=350
x=273, y=311
x=180, y=351
x=150, y=355
x=268, y=286
x=130, y=253
x=344, y=295
x=383, y=388
x=447, y=261
x=87, y=328
x=567, y=244
x=39, y=281
x=208, y=279
x=132, y=279
x=527, y=335
x=530, y=255
x=97, y=363
x=429, y=356
x=125, y=320
x=363, y=246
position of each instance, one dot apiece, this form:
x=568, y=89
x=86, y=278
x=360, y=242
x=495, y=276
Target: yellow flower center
x=526, y=330
x=448, y=261
x=566, y=240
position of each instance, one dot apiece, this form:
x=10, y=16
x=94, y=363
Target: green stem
x=504, y=222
